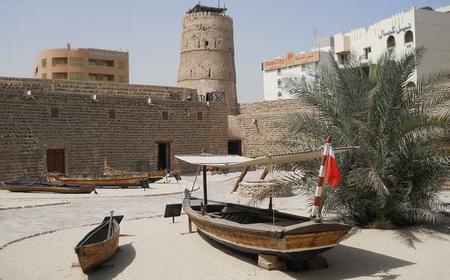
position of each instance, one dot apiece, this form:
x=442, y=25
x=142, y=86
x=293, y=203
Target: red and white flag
x=332, y=174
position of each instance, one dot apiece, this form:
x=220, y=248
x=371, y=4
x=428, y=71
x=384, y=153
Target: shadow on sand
x=410, y=236
x=344, y=262
x=114, y=266
x=347, y=262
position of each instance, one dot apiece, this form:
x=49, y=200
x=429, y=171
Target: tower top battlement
x=200, y=8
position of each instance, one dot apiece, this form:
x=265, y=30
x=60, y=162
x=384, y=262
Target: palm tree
x=403, y=159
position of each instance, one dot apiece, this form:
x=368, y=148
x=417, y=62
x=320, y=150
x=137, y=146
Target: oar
x=110, y=223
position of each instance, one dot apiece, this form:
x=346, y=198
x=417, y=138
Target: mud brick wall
x=63, y=86
x=260, y=123
x=87, y=133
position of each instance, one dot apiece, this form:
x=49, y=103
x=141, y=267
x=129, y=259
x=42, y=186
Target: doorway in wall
x=56, y=161
x=234, y=147
x=163, y=155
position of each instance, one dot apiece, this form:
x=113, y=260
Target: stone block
x=271, y=262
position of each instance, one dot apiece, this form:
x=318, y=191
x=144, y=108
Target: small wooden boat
x=99, y=244
x=120, y=180
x=263, y=231
x=40, y=186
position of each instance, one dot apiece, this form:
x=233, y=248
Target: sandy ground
x=155, y=248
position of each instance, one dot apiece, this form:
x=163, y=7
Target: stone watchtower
x=207, y=54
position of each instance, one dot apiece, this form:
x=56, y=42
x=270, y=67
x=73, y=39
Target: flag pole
x=320, y=179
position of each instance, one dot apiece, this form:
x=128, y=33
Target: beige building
x=82, y=65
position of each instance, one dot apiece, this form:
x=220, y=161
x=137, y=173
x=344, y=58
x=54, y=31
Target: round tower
x=207, y=54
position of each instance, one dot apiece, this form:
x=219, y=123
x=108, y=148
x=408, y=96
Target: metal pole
x=205, y=191
x=320, y=179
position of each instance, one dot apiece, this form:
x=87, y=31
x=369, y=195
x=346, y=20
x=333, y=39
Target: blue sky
x=150, y=30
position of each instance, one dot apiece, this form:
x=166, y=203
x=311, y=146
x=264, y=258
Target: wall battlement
x=195, y=16
x=23, y=85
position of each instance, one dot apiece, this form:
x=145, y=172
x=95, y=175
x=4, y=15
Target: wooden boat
x=120, y=180
x=263, y=231
x=99, y=244
x=39, y=186
x=256, y=230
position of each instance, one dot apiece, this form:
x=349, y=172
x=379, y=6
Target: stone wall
x=85, y=129
x=260, y=123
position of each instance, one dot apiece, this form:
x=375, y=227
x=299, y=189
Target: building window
x=410, y=85
x=60, y=75
x=199, y=116
x=76, y=76
x=278, y=72
x=101, y=77
x=76, y=61
x=279, y=94
x=409, y=37
x=366, y=52
x=44, y=76
x=206, y=44
x=112, y=114
x=54, y=112
x=101, y=62
x=165, y=115
x=390, y=42
x=121, y=65
x=279, y=83
x=43, y=62
x=59, y=61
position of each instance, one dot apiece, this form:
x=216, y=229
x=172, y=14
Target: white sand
x=157, y=249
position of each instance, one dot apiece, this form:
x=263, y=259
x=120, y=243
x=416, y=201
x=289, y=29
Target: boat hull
x=293, y=242
x=92, y=255
x=49, y=188
x=106, y=181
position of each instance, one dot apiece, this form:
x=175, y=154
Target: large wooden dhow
x=107, y=180
x=256, y=230
x=99, y=244
x=110, y=177
x=40, y=186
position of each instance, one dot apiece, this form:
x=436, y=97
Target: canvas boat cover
x=235, y=161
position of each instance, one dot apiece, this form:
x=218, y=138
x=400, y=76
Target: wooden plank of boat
x=264, y=231
x=47, y=187
x=122, y=180
x=99, y=244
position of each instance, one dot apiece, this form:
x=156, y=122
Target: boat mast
x=320, y=179
x=205, y=191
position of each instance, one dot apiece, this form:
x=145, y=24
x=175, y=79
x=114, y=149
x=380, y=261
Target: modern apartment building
x=304, y=66
x=82, y=65
x=418, y=27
